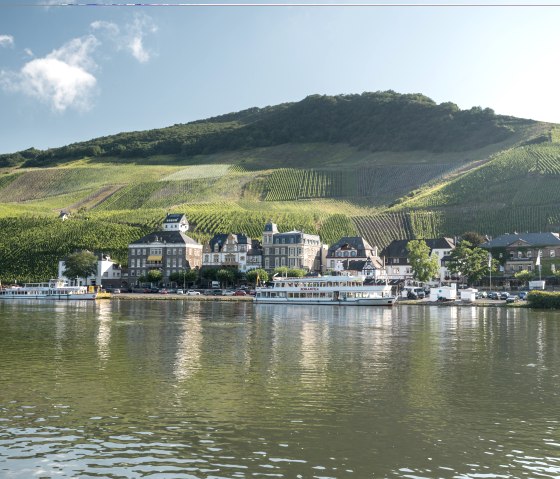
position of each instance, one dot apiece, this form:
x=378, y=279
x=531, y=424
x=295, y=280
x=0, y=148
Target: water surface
x=177, y=389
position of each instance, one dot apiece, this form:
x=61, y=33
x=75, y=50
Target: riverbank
x=170, y=297
x=181, y=297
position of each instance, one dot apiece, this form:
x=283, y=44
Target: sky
x=72, y=73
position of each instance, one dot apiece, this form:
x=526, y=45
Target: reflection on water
x=214, y=390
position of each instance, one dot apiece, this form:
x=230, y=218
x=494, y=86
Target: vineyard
x=31, y=247
x=333, y=190
x=380, y=184
x=519, y=176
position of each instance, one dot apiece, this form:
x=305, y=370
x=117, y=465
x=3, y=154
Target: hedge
x=543, y=300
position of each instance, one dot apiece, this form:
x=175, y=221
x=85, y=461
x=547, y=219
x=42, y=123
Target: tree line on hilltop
x=380, y=121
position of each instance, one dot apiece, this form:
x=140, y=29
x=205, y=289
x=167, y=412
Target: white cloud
x=28, y=52
x=6, y=41
x=111, y=28
x=62, y=79
x=129, y=37
x=134, y=38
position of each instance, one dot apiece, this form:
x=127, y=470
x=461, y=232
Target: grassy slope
x=331, y=189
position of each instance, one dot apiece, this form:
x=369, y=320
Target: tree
x=524, y=276
x=257, y=276
x=225, y=276
x=424, y=266
x=474, y=238
x=80, y=265
x=186, y=276
x=154, y=276
x=470, y=262
x=296, y=273
x=281, y=271
x=209, y=274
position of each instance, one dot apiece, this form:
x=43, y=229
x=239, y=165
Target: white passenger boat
x=336, y=290
x=54, y=289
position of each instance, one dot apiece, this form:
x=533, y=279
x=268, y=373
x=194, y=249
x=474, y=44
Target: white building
x=108, y=273
x=398, y=265
x=232, y=250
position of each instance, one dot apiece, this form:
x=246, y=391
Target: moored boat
x=54, y=289
x=333, y=290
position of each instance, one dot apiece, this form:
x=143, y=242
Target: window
x=276, y=250
x=206, y=258
x=133, y=273
x=283, y=251
x=132, y=251
x=552, y=253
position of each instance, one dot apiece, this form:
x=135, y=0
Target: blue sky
x=73, y=73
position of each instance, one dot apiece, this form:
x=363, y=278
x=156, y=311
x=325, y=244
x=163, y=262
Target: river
x=191, y=390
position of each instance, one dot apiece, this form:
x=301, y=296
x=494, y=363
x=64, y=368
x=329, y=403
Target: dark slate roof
x=398, y=248
x=270, y=227
x=174, y=218
x=532, y=239
x=221, y=238
x=169, y=237
x=358, y=243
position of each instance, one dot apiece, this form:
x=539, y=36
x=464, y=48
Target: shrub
x=543, y=300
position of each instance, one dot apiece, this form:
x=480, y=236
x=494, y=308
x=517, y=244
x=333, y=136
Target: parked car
x=216, y=292
x=163, y=291
x=180, y=291
x=116, y=291
x=504, y=295
x=523, y=295
x=493, y=295
x=480, y=295
x=228, y=292
x=512, y=299
x=240, y=292
x=191, y=292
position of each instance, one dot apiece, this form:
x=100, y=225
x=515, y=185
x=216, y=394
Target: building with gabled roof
x=294, y=249
x=398, y=265
x=354, y=255
x=519, y=251
x=169, y=250
x=232, y=250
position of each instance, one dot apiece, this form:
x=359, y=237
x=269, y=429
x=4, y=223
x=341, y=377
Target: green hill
x=382, y=165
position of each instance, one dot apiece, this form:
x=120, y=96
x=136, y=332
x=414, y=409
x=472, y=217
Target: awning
x=154, y=258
